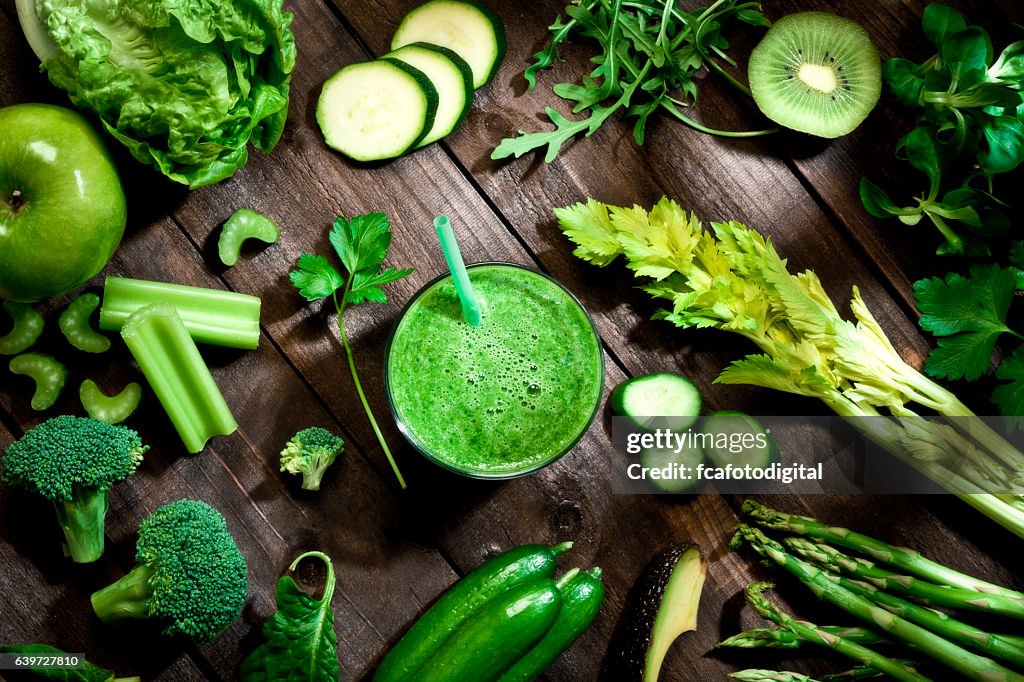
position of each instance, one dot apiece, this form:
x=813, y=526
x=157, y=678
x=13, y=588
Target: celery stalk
x=213, y=316
x=157, y=338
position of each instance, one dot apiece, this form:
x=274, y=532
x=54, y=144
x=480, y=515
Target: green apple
x=62, y=209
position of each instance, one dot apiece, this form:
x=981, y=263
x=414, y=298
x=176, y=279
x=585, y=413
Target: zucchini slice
x=451, y=77
x=378, y=110
x=469, y=29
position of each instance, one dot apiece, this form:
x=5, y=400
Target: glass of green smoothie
x=504, y=398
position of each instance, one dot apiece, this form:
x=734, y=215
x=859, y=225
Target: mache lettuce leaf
x=185, y=85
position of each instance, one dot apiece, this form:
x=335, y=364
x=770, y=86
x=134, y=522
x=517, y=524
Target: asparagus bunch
x=881, y=597
x=812, y=633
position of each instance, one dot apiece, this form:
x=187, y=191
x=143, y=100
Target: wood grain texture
x=395, y=552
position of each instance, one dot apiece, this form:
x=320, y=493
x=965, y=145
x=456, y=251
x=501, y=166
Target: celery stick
x=170, y=361
x=213, y=316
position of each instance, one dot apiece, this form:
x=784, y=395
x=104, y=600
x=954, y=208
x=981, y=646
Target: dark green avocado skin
x=628, y=649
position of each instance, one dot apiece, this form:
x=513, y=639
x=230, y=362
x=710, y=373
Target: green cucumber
x=518, y=566
x=471, y=30
x=496, y=636
x=452, y=78
x=582, y=595
x=689, y=456
x=657, y=395
x=741, y=441
x=378, y=110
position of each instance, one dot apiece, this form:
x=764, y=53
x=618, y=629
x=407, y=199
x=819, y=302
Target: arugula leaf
x=301, y=645
x=361, y=243
x=87, y=673
x=315, y=277
x=969, y=315
x=649, y=55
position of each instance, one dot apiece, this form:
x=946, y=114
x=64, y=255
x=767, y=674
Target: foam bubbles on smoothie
x=502, y=395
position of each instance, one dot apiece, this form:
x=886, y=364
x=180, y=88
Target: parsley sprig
x=970, y=129
x=650, y=53
x=361, y=243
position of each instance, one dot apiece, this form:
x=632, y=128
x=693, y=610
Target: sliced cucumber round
x=657, y=395
x=738, y=439
x=451, y=77
x=379, y=110
x=471, y=30
x=663, y=458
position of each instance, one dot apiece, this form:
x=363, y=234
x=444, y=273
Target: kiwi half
x=817, y=73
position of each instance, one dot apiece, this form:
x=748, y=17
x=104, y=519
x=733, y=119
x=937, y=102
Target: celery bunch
x=733, y=279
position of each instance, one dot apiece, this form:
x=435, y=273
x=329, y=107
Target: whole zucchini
x=495, y=636
x=507, y=570
x=582, y=594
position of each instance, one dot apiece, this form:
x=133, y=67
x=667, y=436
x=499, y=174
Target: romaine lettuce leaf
x=185, y=85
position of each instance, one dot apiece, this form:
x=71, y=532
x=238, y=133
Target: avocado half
x=667, y=596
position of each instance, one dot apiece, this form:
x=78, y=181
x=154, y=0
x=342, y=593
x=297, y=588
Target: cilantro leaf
x=969, y=314
x=362, y=241
x=315, y=277
x=1010, y=397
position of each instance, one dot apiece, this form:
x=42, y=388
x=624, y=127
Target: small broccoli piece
x=310, y=452
x=73, y=462
x=189, y=573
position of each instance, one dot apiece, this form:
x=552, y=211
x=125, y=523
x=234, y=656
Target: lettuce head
x=185, y=85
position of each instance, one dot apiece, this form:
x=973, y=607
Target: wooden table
x=395, y=552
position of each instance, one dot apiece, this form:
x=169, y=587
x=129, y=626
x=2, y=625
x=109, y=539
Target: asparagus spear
x=965, y=662
x=936, y=621
x=757, y=675
x=903, y=558
x=930, y=593
x=768, y=638
x=812, y=633
x=861, y=672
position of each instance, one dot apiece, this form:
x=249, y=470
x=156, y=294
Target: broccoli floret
x=73, y=462
x=189, y=574
x=310, y=452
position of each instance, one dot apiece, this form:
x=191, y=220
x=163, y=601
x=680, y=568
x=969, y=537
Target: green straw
x=470, y=305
